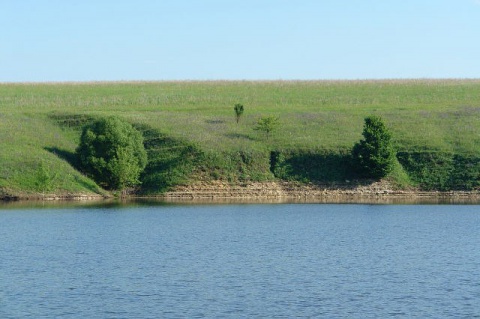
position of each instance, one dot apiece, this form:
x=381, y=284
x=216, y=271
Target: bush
x=267, y=124
x=111, y=152
x=374, y=156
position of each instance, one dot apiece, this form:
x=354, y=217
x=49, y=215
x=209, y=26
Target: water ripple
x=282, y=261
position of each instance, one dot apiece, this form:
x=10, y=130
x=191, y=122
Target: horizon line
x=74, y=82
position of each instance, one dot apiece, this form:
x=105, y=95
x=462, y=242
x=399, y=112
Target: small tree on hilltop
x=238, y=111
x=374, y=156
x=111, y=152
x=267, y=124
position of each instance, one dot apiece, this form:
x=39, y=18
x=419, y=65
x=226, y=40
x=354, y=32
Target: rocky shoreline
x=289, y=191
x=281, y=191
x=52, y=197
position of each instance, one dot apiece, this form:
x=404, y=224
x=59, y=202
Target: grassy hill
x=191, y=132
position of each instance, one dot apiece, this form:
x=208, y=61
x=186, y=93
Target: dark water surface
x=195, y=261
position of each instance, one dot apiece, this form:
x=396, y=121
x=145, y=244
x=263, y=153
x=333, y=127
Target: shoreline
x=321, y=193
x=273, y=192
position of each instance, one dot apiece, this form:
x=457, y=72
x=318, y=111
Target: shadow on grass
x=71, y=159
x=71, y=121
x=215, y=121
x=444, y=171
x=310, y=166
x=170, y=161
x=240, y=136
x=67, y=156
x=167, y=167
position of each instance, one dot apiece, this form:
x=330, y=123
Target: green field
x=191, y=132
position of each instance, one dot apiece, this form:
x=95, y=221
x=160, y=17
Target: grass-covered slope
x=31, y=145
x=191, y=131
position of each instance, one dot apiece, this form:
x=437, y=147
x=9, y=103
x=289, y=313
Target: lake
x=240, y=261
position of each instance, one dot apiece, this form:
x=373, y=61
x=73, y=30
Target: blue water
x=239, y=261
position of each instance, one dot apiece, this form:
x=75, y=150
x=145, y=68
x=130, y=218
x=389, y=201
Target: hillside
x=191, y=133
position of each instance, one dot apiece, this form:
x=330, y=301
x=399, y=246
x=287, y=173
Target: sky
x=135, y=40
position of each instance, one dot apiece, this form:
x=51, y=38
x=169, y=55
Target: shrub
x=267, y=124
x=111, y=152
x=374, y=156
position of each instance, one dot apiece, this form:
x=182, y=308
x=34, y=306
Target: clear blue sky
x=84, y=40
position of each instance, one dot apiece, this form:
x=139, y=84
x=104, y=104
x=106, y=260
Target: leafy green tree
x=238, y=111
x=267, y=124
x=111, y=152
x=374, y=155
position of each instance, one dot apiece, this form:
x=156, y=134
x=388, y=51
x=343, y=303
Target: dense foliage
x=374, y=156
x=111, y=152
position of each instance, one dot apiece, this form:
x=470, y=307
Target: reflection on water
x=134, y=202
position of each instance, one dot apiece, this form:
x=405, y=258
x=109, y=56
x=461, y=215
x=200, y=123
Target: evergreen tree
x=374, y=156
